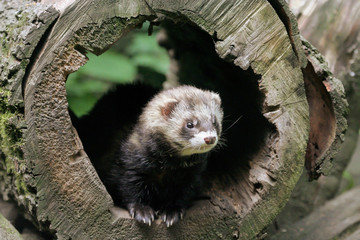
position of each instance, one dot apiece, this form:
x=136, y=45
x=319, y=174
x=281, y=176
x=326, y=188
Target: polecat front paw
x=170, y=217
x=142, y=213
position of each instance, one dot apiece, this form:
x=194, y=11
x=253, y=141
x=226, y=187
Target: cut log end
x=239, y=175
x=246, y=140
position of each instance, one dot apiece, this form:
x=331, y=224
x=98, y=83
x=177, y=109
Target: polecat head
x=190, y=119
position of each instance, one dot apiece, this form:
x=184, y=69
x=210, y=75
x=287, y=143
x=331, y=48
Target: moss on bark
x=11, y=140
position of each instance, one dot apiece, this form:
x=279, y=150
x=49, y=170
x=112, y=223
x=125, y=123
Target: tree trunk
x=248, y=51
x=332, y=26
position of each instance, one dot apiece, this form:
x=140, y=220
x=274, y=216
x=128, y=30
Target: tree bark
x=332, y=27
x=249, y=51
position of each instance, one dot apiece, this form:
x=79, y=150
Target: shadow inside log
x=193, y=56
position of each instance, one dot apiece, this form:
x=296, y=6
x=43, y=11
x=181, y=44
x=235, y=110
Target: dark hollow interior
x=245, y=129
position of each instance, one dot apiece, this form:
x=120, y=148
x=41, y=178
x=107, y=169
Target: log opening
x=260, y=80
x=194, y=62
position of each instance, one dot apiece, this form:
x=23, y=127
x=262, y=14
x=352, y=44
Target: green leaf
x=145, y=51
x=79, y=86
x=157, y=62
x=109, y=66
x=81, y=105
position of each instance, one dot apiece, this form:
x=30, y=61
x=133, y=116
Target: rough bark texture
x=254, y=48
x=23, y=25
x=327, y=113
x=332, y=26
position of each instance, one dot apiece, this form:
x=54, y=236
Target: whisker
x=220, y=145
x=226, y=117
x=233, y=123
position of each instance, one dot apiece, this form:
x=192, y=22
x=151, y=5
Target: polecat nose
x=210, y=140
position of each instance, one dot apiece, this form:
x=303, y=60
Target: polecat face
x=190, y=119
x=199, y=135
x=194, y=122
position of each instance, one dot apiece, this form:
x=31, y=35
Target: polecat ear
x=217, y=98
x=168, y=108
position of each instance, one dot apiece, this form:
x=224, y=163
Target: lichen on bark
x=22, y=25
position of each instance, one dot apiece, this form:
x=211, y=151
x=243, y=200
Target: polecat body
x=158, y=167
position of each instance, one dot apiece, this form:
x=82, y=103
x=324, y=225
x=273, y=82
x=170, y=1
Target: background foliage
x=135, y=57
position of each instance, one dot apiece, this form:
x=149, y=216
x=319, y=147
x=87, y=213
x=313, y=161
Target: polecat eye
x=189, y=125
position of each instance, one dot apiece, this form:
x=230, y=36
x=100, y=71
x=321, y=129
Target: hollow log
x=248, y=51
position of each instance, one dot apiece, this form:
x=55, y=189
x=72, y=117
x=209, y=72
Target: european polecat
x=157, y=170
